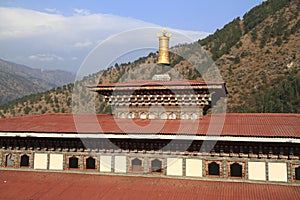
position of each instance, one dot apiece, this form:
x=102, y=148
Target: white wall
x=40, y=161
x=120, y=164
x=194, y=167
x=174, y=166
x=257, y=171
x=105, y=163
x=56, y=161
x=277, y=172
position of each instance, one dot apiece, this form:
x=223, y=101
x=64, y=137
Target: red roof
x=257, y=125
x=45, y=185
x=150, y=83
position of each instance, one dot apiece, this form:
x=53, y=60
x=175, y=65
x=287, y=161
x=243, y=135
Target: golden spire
x=163, y=55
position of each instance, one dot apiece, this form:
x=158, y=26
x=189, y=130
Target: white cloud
x=45, y=57
x=84, y=44
x=18, y=23
x=25, y=32
x=82, y=12
x=52, y=10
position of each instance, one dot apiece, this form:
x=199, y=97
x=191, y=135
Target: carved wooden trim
x=136, y=169
x=243, y=164
x=207, y=162
x=162, y=160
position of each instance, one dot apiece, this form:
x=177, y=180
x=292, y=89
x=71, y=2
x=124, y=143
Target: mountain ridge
x=19, y=80
x=259, y=62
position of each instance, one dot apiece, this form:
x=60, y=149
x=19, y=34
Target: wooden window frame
x=20, y=162
x=162, y=165
x=293, y=172
x=206, y=171
x=130, y=167
x=14, y=160
x=85, y=163
x=68, y=162
x=243, y=164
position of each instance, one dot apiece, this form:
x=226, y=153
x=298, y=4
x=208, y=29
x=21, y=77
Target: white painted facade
x=120, y=164
x=277, y=172
x=174, y=166
x=105, y=163
x=56, y=162
x=257, y=171
x=40, y=161
x=193, y=167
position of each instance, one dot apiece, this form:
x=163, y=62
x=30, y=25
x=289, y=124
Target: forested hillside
x=258, y=56
x=262, y=70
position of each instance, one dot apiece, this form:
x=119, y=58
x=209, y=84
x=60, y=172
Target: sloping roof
x=231, y=124
x=157, y=85
x=154, y=83
x=45, y=185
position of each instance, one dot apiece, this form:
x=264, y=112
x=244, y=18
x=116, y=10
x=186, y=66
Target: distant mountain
x=19, y=80
x=258, y=57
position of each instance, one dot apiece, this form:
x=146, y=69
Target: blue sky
x=197, y=15
x=59, y=34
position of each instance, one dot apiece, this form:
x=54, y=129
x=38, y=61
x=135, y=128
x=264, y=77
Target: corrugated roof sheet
x=150, y=82
x=231, y=124
x=45, y=185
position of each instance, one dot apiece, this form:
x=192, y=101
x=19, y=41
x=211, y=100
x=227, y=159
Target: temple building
x=159, y=128
x=250, y=148
x=161, y=99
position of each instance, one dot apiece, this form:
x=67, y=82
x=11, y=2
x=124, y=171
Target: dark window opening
x=24, y=161
x=236, y=170
x=214, y=169
x=90, y=163
x=73, y=162
x=137, y=165
x=136, y=161
x=156, y=166
x=297, y=173
x=9, y=160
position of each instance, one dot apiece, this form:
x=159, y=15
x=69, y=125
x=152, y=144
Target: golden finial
x=163, y=55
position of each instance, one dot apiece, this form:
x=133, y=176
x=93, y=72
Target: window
x=10, y=160
x=24, y=161
x=122, y=115
x=172, y=116
x=90, y=163
x=156, y=166
x=297, y=173
x=137, y=165
x=143, y=116
x=163, y=116
x=194, y=116
x=131, y=115
x=151, y=116
x=185, y=116
x=136, y=161
x=73, y=162
x=214, y=169
x=236, y=170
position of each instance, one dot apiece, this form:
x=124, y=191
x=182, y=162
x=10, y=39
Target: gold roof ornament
x=163, y=54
